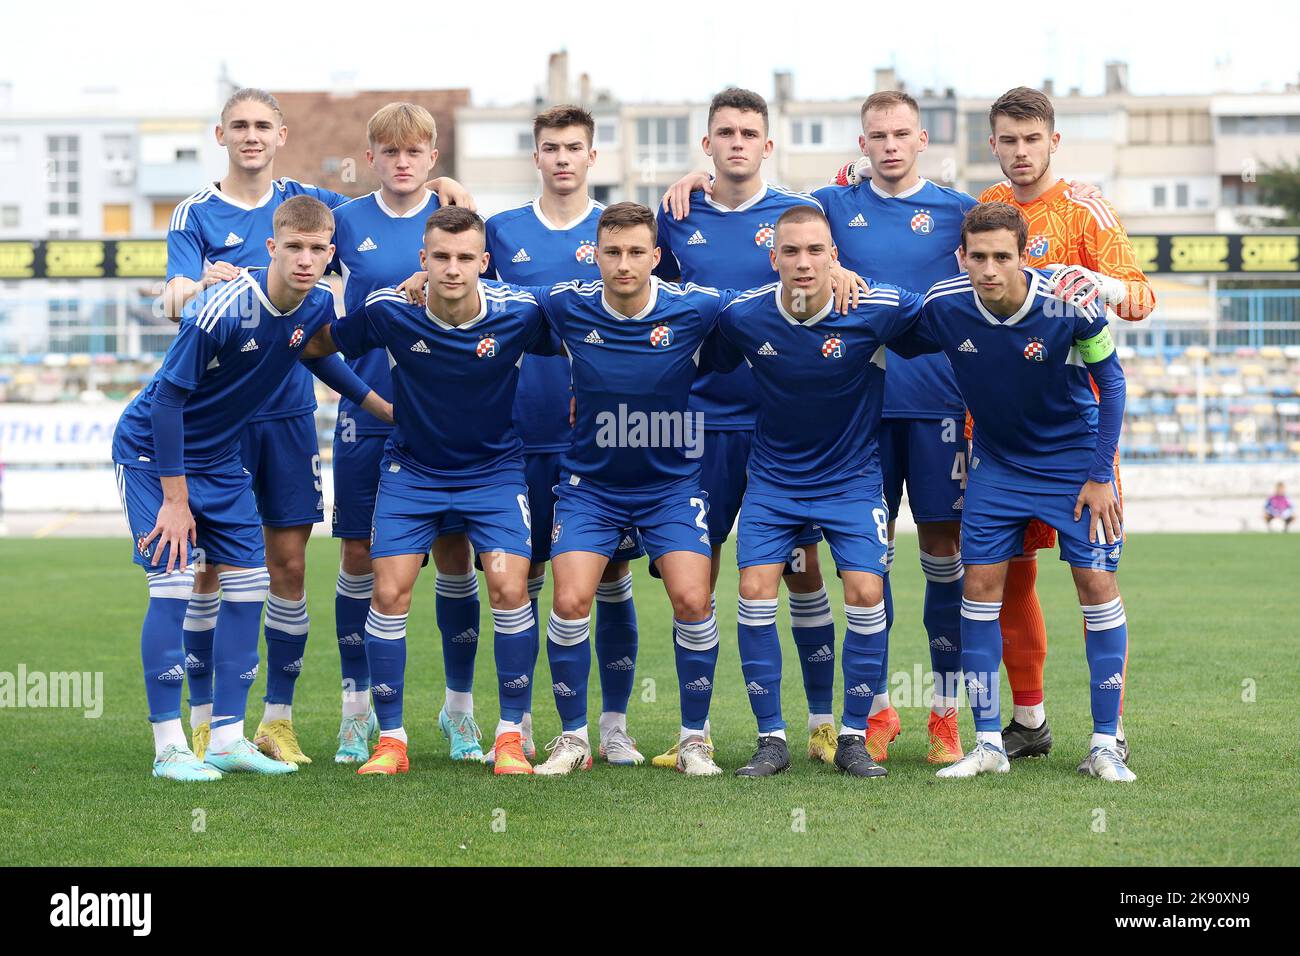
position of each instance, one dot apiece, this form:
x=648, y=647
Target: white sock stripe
x=205, y=602
x=810, y=610
x=866, y=620
x=535, y=586
x=812, y=601
x=942, y=570
x=355, y=586
x=567, y=633
x=287, y=616
x=698, y=635
x=389, y=627
x=457, y=585
x=615, y=592
x=756, y=613
x=245, y=587
x=512, y=622
x=177, y=586
x=1103, y=617
x=981, y=610
x=889, y=557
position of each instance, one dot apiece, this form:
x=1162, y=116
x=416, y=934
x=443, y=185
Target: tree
x=1280, y=186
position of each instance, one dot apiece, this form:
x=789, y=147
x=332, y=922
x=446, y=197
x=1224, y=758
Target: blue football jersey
x=632, y=378
x=453, y=386
x=909, y=241
x=725, y=249
x=820, y=384
x=1024, y=382
x=211, y=227
x=528, y=249
x=375, y=248
x=232, y=350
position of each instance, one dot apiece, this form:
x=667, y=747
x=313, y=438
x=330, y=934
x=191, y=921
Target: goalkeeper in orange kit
x=1090, y=257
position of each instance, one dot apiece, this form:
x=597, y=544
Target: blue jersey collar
x=811, y=320
x=409, y=214
x=905, y=194
x=1032, y=278
x=259, y=284
x=749, y=203
x=649, y=306
x=577, y=221
x=482, y=311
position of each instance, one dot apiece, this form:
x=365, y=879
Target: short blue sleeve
x=192, y=351
x=185, y=251
x=355, y=334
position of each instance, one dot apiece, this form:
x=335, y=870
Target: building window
x=662, y=141
x=1158, y=197
x=606, y=132
x=187, y=154
x=117, y=149
x=9, y=217
x=807, y=132
x=8, y=149
x=977, y=138
x=1238, y=192
x=604, y=194
x=1259, y=125
x=524, y=141
x=1180, y=195
x=651, y=195
x=940, y=124
x=117, y=219
x=64, y=175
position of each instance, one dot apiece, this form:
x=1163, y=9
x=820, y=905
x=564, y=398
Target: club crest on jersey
x=144, y=549
x=1035, y=350
x=661, y=337
x=922, y=222
x=556, y=530
x=766, y=233
x=487, y=347
x=1038, y=246
x=586, y=252
x=296, y=338
x=833, y=347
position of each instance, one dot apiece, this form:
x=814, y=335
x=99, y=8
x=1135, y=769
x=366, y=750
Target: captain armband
x=1096, y=349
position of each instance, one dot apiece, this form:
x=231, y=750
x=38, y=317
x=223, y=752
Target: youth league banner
x=64, y=434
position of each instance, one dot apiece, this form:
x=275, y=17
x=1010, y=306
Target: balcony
x=165, y=180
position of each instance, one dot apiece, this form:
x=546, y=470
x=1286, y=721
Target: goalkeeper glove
x=850, y=174
x=1082, y=287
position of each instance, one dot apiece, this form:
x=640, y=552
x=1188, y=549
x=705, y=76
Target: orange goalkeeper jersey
x=1081, y=232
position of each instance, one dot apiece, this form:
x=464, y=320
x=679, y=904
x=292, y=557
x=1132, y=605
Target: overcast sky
x=169, y=56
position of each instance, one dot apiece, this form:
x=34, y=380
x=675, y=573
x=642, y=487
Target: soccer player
x=1044, y=448
x=820, y=380
x=723, y=239
x=633, y=343
x=186, y=493
x=549, y=240
x=1278, y=508
x=379, y=240
x=213, y=233
x=1084, y=245
x=453, y=455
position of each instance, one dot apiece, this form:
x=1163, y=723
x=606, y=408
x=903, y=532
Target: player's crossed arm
x=336, y=374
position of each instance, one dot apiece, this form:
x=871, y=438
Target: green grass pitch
x=1210, y=712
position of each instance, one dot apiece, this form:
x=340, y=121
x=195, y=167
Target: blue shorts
x=588, y=518
x=356, y=479
x=930, y=456
x=724, y=474
x=854, y=522
x=225, y=514
x=994, y=519
x=411, y=511
x=542, y=472
x=283, y=457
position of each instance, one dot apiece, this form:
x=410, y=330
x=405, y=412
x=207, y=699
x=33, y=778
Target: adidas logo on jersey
x=967, y=346
x=1113, y=682
x=192, y=663
x=959, y=504
x=860, y=690
x=233, y=240
x=468, y=636
x=367, y=245
x=942, y=643
x=755, y=689
x=250, y=674
x=293, y=667
x=352, y=640
x=766, y=349
x=593, y=338
x=519, y=683
x=622, y=664
x=213, y=364
x=627, y=544
x=522, y=256
x=563, y=690
x=821, y=655
x=857, y=221
x=700, y=684
x=383, y=690
x=250, y=346
x=175, y=672
x=420, y=347
x=973, y=686
x=697, y=239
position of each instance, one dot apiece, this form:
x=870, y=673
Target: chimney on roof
x=782, y=86
x=1049, y=87
x=584, y=89
x=1074, y=91
x=557, y=77
x=1116, y=77
x=886, y=79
